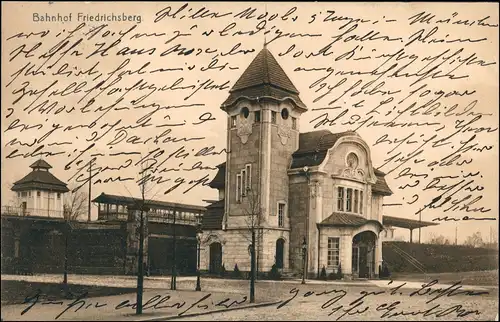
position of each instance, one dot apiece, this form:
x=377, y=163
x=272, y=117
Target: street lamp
x=199, y=233
x=304, y=249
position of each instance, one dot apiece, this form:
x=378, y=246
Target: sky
x=340, y=36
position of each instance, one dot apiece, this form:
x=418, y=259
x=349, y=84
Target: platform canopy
x=406, y=223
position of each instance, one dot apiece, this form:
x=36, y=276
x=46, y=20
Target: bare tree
x=76, y=205
x=475, y=240
x=438, y=240
x=145, y=187
x=253, y=219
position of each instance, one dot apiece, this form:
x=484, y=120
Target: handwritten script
x=105, y=99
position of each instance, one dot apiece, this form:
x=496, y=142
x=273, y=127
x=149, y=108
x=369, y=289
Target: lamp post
x=199, y=233
x=304, y=249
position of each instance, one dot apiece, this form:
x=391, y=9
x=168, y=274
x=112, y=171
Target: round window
x=352, y=161
x=284, y=113
x=245, y=112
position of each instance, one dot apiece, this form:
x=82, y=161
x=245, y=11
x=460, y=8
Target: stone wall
x=38, y=246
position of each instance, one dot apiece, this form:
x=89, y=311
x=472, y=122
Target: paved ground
x=368, y=300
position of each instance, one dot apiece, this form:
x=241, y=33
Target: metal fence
x=24, y=212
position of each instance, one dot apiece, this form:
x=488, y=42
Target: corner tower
x=263, y=111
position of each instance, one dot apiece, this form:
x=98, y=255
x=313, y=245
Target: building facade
x=39, y=193
x=313, y=199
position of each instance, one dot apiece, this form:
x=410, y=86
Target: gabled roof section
x=313, y=147
x=264, y=77
x=219, y=180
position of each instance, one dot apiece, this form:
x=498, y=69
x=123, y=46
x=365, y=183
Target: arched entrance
x=280, y=253
x=215, y=263
x=363, y=254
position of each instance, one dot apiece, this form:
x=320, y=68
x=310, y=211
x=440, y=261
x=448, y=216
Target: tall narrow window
x=281, y=215
x=238, y=187
x=233, y=121
x=348, y=204
x=361, y=202
x=273, y=117
x=257, y=116
x=340, y=199
x=333, y=251
x=294, y=123
x=355, y=258
x=38, y=193
x=243, y=183
x=248, y=169
x=356, y=198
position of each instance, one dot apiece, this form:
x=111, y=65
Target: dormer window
x=284, y=114
x=273, y=117
x=245, y=112
x=294, y=123
x=233, y=121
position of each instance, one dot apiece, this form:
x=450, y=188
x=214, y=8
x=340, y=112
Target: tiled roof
x=406, y=223
x=343, y=219
x=212, y=220
x=122, y=200
x=219, y=180
x=40, y=179
x=264, y=69
x=263, y=91
x=381, y=187
x=313, y=147
x=41, y=164
x=264, y=77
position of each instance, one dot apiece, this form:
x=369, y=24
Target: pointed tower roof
x=264, y=77
x=40, y=164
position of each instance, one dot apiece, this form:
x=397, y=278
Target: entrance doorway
x=363, y=254
x=280, y=253
x=215, y=263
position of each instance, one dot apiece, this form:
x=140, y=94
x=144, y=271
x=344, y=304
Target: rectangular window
x=238, y=187
x=38, y=193
x=340, y=199
x=248, y=169
x=356, y=197
x=348, y=204
x=243, y=183
x=294, y=123
x=273, y=117
x=361, y=202
x=281, y=215
x=333, y=251
x=29, y=193
x=58, y=195
x=24, y=194
x=257, y=116
x=233, y=121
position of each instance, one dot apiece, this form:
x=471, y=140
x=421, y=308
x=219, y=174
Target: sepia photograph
x=234, y=161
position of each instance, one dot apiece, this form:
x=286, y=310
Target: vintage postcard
x=249, y=161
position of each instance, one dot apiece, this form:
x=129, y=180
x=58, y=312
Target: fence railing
x=412, y=260
x=38, y=212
